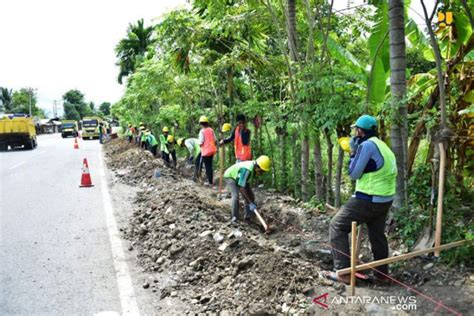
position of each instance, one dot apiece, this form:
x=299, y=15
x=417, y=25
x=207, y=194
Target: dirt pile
x=181, y=228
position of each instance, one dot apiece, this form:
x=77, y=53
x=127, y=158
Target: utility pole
x=55, y=108
x=31, y=90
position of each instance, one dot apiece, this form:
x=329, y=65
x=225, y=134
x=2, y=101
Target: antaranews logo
x=399, y=303
x=445, y=18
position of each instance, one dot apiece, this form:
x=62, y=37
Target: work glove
x=354, y=143
x=252, y=207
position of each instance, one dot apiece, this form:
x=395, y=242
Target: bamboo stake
x=353, y=257
x=409, y=255
x=439, y=213
x=221, y=166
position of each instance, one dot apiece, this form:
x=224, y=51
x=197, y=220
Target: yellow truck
x=16, y=132
x=69, y=128
x=90, y=127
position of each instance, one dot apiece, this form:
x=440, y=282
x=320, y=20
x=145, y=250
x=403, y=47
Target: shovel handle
x=261, y=220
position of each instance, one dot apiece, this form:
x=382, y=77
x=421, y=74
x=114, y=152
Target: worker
x=143, y=143
x=237, y=179
x=101, y=133
x=129, y=133
x=373, y=166
x=138, y=137
x=170, y=145
x=192, y=144
x=241, y=138
x=207, y=142
x=152, y=142
x=164, y=145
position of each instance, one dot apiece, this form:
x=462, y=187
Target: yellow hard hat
x=344, y=143
x=226, y=127
x=165, y=129
x=203, y=119
x=170, y=138
x=264, y=163
x=180, y=141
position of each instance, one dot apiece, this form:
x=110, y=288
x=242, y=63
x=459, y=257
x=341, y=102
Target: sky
x=57, y=45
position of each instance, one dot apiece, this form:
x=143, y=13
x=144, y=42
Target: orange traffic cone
x=86, y=177
x=76, y=144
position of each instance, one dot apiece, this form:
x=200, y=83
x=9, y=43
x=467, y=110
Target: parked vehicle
x=17, y=132
x=69, y=128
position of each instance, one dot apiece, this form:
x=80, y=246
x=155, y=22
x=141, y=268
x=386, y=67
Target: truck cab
x=69, y=128
x=90, y=127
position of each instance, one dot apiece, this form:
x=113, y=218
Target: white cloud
x=57, y=45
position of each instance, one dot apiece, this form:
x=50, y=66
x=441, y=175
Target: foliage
x=75, y=107
x=457, y=219
x=21, y=101
x=131, y=50
x=6, y=99
x=105, y=108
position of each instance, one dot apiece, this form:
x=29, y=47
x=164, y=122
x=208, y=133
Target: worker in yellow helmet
x=170, y=145
x=237, y=178
x=207, y=142
x=165, y=154
x=152, y=143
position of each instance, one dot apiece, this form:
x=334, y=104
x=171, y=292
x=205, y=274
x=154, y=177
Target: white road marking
x=17, y=165
x=124, y=281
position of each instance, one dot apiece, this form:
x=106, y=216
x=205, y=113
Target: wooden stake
x=221, y=166
x=353, y=257
x=439, y=213
x=406, y=256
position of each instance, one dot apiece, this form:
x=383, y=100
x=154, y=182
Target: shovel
x=265, y=226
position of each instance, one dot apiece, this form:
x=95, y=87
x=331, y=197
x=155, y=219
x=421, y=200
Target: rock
x=194, y=301
x=196, y=262
x=146, y=285
x=234, y=234
x=223, y=247
x=375, y=309
x=172, y=226
x=205, y=233
x=428, y=266
x=160, y=260
x=218, y=238
x=169, y=210
x=174, y=294
x=459, y=282
x=245, y=263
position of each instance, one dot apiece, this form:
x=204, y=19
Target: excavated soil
x=181, y=228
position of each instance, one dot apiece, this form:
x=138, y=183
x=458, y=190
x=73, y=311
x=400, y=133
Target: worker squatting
x=372, y=164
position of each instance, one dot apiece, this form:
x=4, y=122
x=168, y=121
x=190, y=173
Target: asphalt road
x=56, y=248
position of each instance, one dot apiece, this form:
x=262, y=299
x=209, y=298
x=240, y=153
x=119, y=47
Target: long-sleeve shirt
x=367, y=159
x=192, y=144
x=244, y=134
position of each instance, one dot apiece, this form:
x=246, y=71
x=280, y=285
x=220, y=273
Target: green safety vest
x=152, y=140
x=163, y=144
x=143, y=137
x=382, y=182
x=233, y=171
x=197, y=149
x=129, y=132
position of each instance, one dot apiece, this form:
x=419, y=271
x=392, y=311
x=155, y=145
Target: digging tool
x=265, y=226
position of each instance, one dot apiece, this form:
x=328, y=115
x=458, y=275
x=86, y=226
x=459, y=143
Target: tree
x=131, y=50
x=399, y=129
x=75, y=106
x=6, y=99
x=20, y=102
x=105, y=108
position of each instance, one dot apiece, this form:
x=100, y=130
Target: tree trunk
x=318, y=169
x=329, y=192
x=283, y=166
x=296, y=171
x=292, y=38
x=304, y=168
x=399, y=130
x=339, y=166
